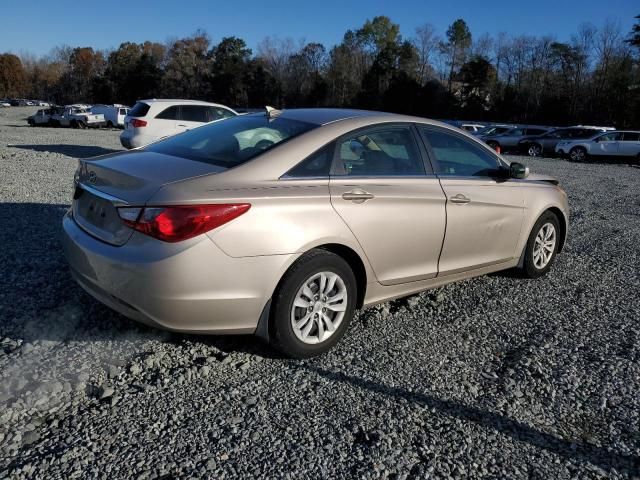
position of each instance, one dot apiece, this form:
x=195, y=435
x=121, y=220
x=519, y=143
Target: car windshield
x=233, y=141
x=494, y=130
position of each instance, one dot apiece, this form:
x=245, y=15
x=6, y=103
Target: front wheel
x=542, y=246
x=313, y=305
x=578, y=154
x=534, y=150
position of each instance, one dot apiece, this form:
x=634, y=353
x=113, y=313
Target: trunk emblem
x=92, y=177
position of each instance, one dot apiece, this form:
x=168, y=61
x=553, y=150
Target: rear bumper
x=130, y=139
x=190, y=286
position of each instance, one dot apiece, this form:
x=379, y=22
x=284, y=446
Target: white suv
x=151, y=120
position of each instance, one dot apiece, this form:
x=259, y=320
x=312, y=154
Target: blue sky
x=37, y=26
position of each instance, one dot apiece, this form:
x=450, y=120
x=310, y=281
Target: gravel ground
x=496, y=377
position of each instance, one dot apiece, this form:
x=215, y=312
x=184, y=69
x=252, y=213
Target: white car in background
x=151, y=120
x=619, y=143
x=114, y=114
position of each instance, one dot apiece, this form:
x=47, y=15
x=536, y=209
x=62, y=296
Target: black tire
x=73, y=124
x=578, y=154
x=534, y=150
x=82, y=125
x=311, y=263
x=109, y=124
x=529, y=267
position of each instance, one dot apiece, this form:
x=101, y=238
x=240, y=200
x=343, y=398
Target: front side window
x=381, y=152
x=610, y=137
x=232, y=142
x=456, y=156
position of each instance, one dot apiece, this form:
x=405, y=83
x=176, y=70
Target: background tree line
x=592, y=78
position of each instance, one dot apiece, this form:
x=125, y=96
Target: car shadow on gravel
x=39, y=300
x=601, y=457
x=75, y=151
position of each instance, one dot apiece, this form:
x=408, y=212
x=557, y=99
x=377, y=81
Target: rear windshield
x=139, y=110
x=233, y=141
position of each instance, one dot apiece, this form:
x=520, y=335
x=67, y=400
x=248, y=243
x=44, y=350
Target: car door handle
x=357, y=195
x=459, y=198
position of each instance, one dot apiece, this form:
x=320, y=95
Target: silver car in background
x=620, y=143
x=281, y=224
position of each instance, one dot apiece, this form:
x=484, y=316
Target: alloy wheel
x=319, y=307
x=544, y=246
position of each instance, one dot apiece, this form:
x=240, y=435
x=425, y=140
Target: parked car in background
x=508, y=140
x=619, y=143
x=595, y=127
x=43, y=117
x=221, y=230
x=114, y=115
x=472, y=127
x=493, y=130
x=151, y=120
x=77, y=116
x=546, y=144
x=4, y=104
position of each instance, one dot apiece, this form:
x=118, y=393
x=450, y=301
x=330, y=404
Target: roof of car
x=181, y=101
x=323, y=116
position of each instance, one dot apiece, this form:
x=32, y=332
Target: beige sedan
x=282, y=224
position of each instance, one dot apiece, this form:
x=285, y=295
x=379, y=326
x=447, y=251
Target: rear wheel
x=534, y=150
x=578, y=154
x=109, y=124
x=313, y=304
x=542, y=246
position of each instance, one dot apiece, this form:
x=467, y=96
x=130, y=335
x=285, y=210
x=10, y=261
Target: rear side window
x=170, y=113
x=631, y=137
x=194, y=113
x=456, y=156
x=140, y=109
x=388, y=152
x=316, y=165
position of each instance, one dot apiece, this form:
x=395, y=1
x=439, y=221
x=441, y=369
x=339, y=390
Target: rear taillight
x=177, y=223
x=135, y=123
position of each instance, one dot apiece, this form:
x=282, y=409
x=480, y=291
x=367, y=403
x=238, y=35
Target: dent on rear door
x=400, y=229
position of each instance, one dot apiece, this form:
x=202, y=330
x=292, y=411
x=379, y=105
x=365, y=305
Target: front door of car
x=607, y=144
x=484, y=209
x=390, y=199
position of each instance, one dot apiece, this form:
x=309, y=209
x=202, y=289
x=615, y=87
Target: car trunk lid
x=125, y=179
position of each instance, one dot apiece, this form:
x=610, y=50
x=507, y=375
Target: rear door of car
x=484, y=209
x=192, y=116
x=630, y=144
x=386, y=192
x=164, y=124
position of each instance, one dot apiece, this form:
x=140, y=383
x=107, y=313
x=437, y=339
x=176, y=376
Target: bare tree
x=426, y=42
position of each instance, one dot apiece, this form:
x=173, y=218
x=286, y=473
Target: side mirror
x=518, y=170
